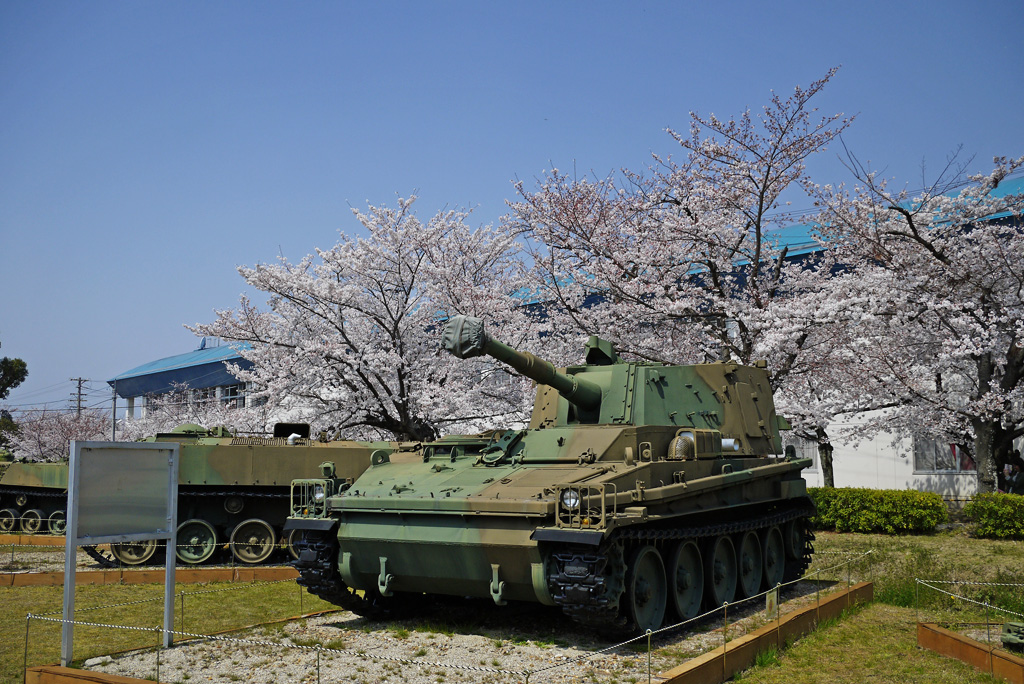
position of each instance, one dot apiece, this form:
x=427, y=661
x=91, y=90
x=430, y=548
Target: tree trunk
x=825, y=458
x=984, y=455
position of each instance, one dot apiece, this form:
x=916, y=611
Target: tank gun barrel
x=466, y=338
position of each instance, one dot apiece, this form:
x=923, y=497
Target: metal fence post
x=917, y=600
x=778, y=615
x=817, y=597
x=847, y=583
x=725, y=638
x=28, y=624
x=649, y=656
x=988, y=631
x=159, y=642
x=182, y=610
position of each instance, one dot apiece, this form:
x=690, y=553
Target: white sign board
x=124, y=490
x=120, y=492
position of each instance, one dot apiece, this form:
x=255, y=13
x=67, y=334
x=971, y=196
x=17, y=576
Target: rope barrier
x=239, y=587
x=112, y=605
x=161, y=598
x=970, y=600
x=973, y=584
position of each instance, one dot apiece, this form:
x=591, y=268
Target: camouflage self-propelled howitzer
x=639, y=493
x=232, y=491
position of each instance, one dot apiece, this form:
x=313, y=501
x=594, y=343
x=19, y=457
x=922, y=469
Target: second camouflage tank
x=640, y=493
x=232, y=490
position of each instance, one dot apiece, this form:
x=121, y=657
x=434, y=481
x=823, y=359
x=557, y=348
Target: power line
x=41, y=390
x=37, y=403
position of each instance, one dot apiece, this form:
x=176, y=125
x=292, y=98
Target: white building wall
x=886, y=461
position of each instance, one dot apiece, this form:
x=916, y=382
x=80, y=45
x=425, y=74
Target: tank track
x=247, y=495
x=34, y=492
x=107, y=560
x=104, y=558
x=318, y=573
x=581, y=589
x=62, y=494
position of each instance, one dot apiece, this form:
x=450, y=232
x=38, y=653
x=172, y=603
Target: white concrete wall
x=887, y=462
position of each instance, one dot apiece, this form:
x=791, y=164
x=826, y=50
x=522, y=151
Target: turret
x=466, y=338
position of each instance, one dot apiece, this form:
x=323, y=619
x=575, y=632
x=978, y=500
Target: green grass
x=205, y=613
x=878, y=643
x=896, y=561
x=767, y=658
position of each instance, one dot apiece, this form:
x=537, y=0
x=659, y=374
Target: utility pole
x=77, y=396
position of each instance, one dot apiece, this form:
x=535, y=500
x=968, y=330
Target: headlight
x=318, y=493
x=571, y=499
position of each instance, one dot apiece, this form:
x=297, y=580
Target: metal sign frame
x=109, y=484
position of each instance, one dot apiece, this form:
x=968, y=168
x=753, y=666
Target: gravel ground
x=41, y=559
x=461, y=641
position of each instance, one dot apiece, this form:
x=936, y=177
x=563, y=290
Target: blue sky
x=148, y=149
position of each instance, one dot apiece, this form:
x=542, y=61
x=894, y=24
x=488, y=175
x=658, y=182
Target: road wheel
x=32, y=521
x=252, y=541
x=793, y=539
x=57, y=523
x=8, y=520
x=720, y=572
x=293, y=537
x=646, y=589
x=134, y=553
x=750, y=564
x=796, y=538
x=197, y=540
x=686, y=580
x=774, y=557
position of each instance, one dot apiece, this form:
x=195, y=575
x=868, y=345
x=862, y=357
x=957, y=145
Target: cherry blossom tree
x=351, y=334
x=684, y=263
x=937, y=283
x=45, y=435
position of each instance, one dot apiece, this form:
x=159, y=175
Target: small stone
x=102, y=660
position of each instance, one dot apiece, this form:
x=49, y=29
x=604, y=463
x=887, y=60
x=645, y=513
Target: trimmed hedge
x=887, y=511
x=997, y=516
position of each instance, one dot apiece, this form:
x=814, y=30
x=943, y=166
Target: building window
x=233, y=396
x=936, y=456
x=805, y=448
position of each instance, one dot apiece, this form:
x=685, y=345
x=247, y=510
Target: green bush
x=997, y=516
x=889, y=511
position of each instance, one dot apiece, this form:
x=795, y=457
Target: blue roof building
x=203, y=371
